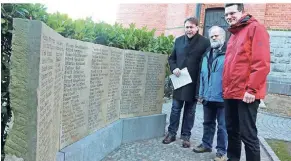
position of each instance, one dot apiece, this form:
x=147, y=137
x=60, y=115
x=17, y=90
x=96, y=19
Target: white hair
x=221, y=31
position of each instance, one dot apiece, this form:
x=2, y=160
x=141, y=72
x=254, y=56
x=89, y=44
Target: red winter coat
x=247, y=60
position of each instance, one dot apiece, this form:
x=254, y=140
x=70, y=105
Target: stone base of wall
x=279, y=84
x=96, y=146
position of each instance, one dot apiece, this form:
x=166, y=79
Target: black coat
x=188, y=54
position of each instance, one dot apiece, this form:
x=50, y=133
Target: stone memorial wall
x=279, y=79
x=63, y=90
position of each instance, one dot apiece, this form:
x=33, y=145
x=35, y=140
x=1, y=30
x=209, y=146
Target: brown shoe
x=168, y=139
x=186, y=144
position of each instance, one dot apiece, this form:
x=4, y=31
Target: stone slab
x=144, y=127
x=280, y=43
x=279, y=33
x=102, y=142
x=279, y=88
x=279, y=78
x=60, y=156
x=96, y=146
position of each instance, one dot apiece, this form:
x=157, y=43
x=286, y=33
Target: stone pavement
x=274, y=127
x=154, y=150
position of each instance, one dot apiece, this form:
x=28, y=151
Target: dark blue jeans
x=188, y=118
x=214, y=111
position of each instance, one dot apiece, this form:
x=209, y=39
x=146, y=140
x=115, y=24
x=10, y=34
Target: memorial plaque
x=61, y=89
x=114, y=85
x=133, y=84
x=76, y=91
x=98, y=87
x=49, y=94
x=58, y=87
x=154, y=87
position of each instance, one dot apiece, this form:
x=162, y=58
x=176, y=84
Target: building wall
x=277, y=16
x=279, y=79
x=176, y=13
x=150, y=15
x=168, y=18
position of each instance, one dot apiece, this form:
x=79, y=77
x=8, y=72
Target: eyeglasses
x=230, y=13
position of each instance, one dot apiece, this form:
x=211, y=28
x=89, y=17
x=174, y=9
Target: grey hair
x=221, y=31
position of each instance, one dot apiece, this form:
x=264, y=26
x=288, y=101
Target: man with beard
x=187, y=52
x=247, y=64
x=210, y=95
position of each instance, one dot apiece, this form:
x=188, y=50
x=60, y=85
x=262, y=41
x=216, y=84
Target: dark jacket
x=211, y=76
x=188, y=54
x=247, y=60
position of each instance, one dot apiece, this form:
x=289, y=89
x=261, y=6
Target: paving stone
x=154, y=150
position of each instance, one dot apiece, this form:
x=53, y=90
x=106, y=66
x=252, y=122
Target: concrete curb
x=268, y=149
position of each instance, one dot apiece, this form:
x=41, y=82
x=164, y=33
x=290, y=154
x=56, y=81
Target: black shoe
x=201, y=149
x=168, y=139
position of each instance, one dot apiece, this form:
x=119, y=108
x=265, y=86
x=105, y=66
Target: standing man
x=210, y=95
x=187, y=52
x=247, y=64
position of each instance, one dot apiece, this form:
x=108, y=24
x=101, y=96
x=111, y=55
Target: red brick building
x=168, y=18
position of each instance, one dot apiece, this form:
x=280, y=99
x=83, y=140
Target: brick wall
x=150, y=15
x=257, y=10
x=168, y=18
x=278, y=16
x=175, y=17
x=176, y=14
x=273, y=16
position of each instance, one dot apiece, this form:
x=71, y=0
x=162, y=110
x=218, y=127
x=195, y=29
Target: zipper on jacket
x=218, y=55
x=209, y=66
x=209, y=69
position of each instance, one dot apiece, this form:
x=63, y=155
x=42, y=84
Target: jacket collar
x=242, y=22
x=221, y=51
x=190, y=40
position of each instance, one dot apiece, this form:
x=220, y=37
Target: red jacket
x=247, y=60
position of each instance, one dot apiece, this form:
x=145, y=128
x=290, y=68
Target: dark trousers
x=188, y=118
x=241, y=126
x=214, y=111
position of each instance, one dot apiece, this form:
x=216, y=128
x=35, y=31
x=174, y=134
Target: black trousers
x=240, y=120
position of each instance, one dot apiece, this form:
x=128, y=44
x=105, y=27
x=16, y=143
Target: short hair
x=193, y=20
x=221, y=31
x=240, y=6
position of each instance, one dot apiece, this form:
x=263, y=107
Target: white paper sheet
x=182, y=80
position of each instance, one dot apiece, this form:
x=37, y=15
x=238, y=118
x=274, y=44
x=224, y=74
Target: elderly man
x=210, y=95
x=187, y=52
x=247, y=64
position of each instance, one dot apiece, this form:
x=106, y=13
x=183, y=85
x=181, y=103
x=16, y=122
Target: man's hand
x=249, y=98
x=177, y=72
